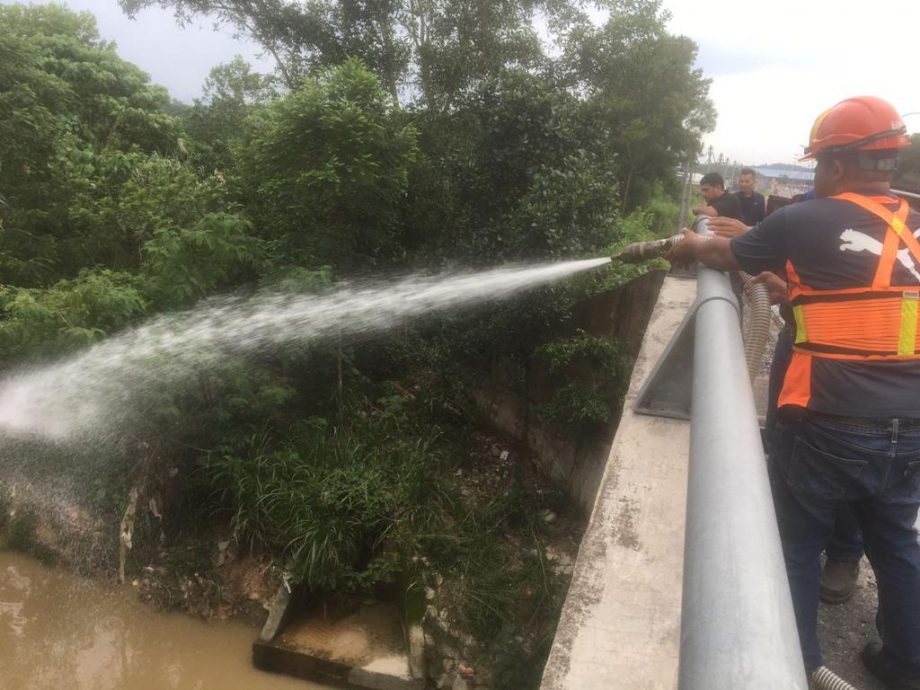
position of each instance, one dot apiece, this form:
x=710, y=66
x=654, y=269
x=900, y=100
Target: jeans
x=819, y=465
x=846, y=544
x=782, y=355
x=846, y=541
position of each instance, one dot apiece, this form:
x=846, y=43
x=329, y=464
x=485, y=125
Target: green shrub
x=68, y=315
x=600, y=372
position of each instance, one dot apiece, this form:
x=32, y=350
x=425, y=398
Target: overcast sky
x=774, y=66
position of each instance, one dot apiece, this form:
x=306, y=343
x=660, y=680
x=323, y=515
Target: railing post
x=737, y=624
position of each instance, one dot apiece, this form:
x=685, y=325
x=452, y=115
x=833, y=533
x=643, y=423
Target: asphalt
x=844, y=629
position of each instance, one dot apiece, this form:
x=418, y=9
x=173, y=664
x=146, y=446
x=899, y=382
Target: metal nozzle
x=643, y=251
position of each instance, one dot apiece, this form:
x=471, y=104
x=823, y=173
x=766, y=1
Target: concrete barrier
x=620, y=626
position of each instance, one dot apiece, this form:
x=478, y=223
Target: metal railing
x=737, y=624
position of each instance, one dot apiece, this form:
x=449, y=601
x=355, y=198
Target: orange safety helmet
x=862, y=123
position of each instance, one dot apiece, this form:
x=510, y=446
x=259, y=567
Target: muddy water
x=58, y=632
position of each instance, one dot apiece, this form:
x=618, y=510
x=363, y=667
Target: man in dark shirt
x=718, y=201
x=850, y=430
x=753, y=205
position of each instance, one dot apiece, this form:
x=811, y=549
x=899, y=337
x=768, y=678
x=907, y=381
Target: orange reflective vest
x=876, y=322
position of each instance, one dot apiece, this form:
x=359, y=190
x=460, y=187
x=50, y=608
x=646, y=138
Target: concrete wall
x=620, y=626
x=578, y=463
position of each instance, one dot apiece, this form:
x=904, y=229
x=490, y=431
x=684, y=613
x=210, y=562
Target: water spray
x=94, y=394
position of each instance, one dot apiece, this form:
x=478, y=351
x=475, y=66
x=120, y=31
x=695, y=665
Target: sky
x=178, y=58
x=774, y=66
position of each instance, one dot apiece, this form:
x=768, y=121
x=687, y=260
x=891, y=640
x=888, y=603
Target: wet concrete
x=57, y=631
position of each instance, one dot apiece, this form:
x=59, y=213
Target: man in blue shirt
x=753, y=204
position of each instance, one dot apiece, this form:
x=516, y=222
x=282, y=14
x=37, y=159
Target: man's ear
x=838, y=169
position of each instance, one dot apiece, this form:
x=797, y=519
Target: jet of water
x=92, y=393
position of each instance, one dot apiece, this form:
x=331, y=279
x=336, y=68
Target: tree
x=431, y=51
x=514, y=174
x=220, y=120
x=66, y=98
x=644, y=92
x=326, y=171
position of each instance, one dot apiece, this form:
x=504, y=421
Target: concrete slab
x=351, y=643
x=620, y=627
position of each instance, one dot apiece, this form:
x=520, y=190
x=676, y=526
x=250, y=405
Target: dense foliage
x=394, y=136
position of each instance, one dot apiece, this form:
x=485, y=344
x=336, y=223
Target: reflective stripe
x=883, y=326
x=845, y=357
x=907, y=341
x=801, y=331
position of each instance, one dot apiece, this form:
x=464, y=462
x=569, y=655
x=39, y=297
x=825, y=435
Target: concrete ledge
x=620, y=626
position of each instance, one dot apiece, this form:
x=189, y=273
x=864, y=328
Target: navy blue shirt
x=727, y=205
x=753, y=208
x=834, y=244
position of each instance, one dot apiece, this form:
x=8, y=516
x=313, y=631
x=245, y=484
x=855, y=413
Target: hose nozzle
x=638, y=252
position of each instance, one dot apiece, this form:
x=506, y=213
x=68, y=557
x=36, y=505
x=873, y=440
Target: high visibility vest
x=876, y=322
x=872, y=322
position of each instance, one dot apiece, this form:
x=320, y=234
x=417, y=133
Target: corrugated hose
x=825, y=679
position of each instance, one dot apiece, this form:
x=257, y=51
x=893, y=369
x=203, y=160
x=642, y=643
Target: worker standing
x=849, y=428
x=753, y=204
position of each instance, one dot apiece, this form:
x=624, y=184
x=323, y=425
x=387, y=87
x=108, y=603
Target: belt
x=881, y=423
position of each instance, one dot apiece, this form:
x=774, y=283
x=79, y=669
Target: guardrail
x=737, y=623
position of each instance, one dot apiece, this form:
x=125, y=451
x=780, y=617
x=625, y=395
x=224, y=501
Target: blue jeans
x=846, y=541
x=819, y=465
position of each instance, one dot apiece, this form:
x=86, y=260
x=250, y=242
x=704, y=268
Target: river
x=59, y=632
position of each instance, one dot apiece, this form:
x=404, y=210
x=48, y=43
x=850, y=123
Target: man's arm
x=722, y=226
x=762, y=248
x=709, y=250
x=776, y=287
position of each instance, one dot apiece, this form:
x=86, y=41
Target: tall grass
x=330, y=501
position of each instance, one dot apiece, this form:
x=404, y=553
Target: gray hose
x=825, y=679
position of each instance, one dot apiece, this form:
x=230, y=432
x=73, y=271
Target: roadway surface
x=844, y=629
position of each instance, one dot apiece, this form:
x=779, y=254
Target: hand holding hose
x=684, y=252
x=727, y=227
x=776, y=287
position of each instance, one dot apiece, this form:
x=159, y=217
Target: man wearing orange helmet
x=850, y=401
